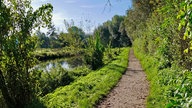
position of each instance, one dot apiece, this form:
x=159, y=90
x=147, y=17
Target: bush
x=49, y=81
x=57, y=76
x=95, y=58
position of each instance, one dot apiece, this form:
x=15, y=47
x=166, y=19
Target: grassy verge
x=87, y=91
x=49, y=54
x=169, y=87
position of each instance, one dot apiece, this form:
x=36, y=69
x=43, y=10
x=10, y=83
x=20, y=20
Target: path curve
x=132, y=89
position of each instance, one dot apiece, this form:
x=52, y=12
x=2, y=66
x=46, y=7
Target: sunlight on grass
x=87, y=91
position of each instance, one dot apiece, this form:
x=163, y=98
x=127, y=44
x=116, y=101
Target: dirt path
x=132, y=89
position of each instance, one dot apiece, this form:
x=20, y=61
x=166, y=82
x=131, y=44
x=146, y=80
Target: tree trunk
x=6, y=96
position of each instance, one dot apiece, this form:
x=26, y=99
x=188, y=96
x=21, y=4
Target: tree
x=114, y=30
x=76, y=33
x=104, y=33
x=124, y=39
x=17, y=21
x=53, y=37
x=44, y=40
x=75, y=36
x=113, y=33
x=64, y=39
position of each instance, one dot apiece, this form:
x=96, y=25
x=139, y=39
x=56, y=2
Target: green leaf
x=169, y=105
x=186, y=34
x=186, y=50
x=179, y=27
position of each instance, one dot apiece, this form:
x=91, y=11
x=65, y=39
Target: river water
x=67, y=64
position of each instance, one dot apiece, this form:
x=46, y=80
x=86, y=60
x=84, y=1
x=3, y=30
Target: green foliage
x=113, y=32
x=44, y=41
x=97, y=57
x=86, y=91
x=17, y=21
x=108, y=52
x=57, y=76
x=49, y=81
x=48, y=54
x=75, y=37
x=96, y=52
x=169, y=87
x=159, y=35
x=185, y=24
x=163, y=50
x=185, y=17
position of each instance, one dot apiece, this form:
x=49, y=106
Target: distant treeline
x=112, y=33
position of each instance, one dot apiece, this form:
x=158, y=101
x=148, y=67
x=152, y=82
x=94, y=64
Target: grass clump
x=86, y=91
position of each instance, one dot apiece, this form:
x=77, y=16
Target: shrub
x=49, y=81
x=95, y=58
x=57, y=76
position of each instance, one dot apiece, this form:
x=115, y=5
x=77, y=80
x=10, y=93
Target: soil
x=132, y=89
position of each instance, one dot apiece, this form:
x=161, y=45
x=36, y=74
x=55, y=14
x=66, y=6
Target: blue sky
x=90, y=13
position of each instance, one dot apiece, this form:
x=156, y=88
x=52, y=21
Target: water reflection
x=63, y=64
x=67, y=64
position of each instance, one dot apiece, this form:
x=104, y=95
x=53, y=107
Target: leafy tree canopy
x=17, y=20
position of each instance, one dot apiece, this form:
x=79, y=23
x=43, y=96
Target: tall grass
x=169, y=87
x=86, y=91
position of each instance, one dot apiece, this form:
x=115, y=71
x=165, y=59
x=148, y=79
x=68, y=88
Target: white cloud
x=58, y=18
x=58, y=21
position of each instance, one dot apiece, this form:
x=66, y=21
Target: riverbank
x=44, y=54
x=88, y=90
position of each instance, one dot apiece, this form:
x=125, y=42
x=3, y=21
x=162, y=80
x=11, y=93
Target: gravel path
x=132, y=89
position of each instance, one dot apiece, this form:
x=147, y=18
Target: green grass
x=169, y=87
x=86, y=91
x=150, y=66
